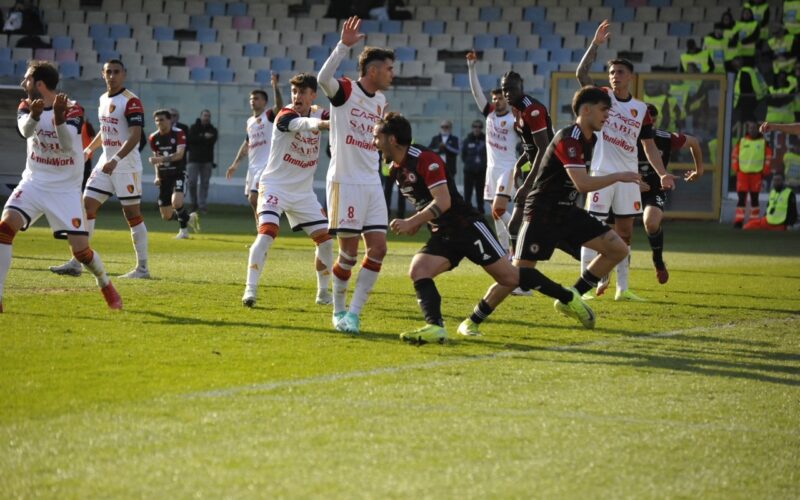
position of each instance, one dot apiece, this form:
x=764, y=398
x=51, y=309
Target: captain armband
x=434, y=209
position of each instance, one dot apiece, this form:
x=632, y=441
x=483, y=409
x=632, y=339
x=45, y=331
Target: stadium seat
x=263, y=76
x=200, y=75
x=243, y=23
x=330, y=39
x=216, y=62
x=515, y=55
x=44, y=54
x=193, y=7
x=577, y=54
x=537, y=56
x=168, y=48
x=254, y=50
x=222, y=75
x=370, y=26
x=551, y=42
x=163, y=33
x=534, y=14
x=543, y=28
x=178, y=74
x=391, y=27
x=64, y=55
x=98, y=31
x=20, y=67
x=614, y=3
x=405, y=54
x=69, y=70
x=215, y=8
x=282, y=64
x=483, y=41
x=680, y=29
x=198, y=21
x=119, y=31
x=62, y=42
x=126, y=45
x=349, y=66
x=196, y=61
x=236, y=9
x=107, y=55
x=104, y=44
x=489, y=14
x=245, y=76
x=206, y=35
x=488, y=81
x=623, y=14
x=561, y=55
x=461, y=81
x=318, y=52
x=507, y=42
x=189, y=48
x=433, y=27
x=6, y=67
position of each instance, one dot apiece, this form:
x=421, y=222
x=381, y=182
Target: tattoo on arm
x=582, y=73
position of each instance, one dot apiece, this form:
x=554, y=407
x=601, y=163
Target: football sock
x=481, y=312
x=657, y=246
x=367, y=276
x=255, y=263
x=501, y=228
x=183, y=217
x=6, y=237
x=342, y=270
x=139, y=237
x=429, y=301
x=90, y=225
x=531, y=279
x=623, y=270
x=324, y=254
x=93, y=263
x=587, y=256
x=586, y=282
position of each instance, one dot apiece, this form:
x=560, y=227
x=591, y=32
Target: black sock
x=657, y=245
x=481, y=312
x=183, y=217
x=531, y=279
x=429, y=301
x=586, y=282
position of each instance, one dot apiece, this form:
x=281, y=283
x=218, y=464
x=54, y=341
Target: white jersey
x=501, y=139
x=259, y=140
x=616, y=149
x=48, y=165
x=294, y=154
x=117, y=113
x=354, y=113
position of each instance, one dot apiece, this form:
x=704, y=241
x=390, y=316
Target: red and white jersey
x=259, y=140
x=616, y=149
x=294, y=154
x=117, y=113
x=501, y=139
x=354, y=113
x=47, y=164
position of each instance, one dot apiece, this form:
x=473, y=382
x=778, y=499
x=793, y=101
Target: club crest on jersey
x=501, y=189
x=258, y=120
x=502, y=123
x=535, y=113
x=572, y=152
x=130, y=188
x=412, y=177
x=76, y=222
x=379, y=111
x=535, y=248
x=635, y=113
x=172, y=141
x=433, y=167
x=111, y=107
x=637, y=205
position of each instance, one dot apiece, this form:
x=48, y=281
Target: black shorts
x=476, y=242
x=171, y=182
x=656, y=197
x=570, y=227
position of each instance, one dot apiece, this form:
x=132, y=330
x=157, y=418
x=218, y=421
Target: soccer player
x=551, y=215
x=51, y=182
x=653, y=197
x=501, y=147
x=786, y=128
x=286, y=186
x=356, y=205
x=119, y=169
x=457, y=231
x=169, y=147
x=616, y=152
x=257, y=142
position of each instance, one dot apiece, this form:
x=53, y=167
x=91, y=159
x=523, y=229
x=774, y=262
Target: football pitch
x=185, y=393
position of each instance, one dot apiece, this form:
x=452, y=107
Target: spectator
x=791, y=164
x=176, y=122
x=395, y=12
x=447, y=146
x=751, y=163
x=339, y=9
x=700, y=58
x=13, y=22
x=746, y=32
x=719, y=48
x=760, y=10
x=748, y=91
x=201, y=140
x=791, y=16
x=781, y=97
x=781, y=208
x=782, y=49
x=473, y=155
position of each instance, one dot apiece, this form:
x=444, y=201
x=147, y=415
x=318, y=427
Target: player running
x=286, y=186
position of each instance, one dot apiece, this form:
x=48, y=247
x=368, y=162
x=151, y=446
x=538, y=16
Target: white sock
x=255, y=263
x=5, y=265
x=139, y=237
x=339, y=285
x=501, y=227
x=324, y=254
x=364, y=284
x=98, y=269
x=587, y=256
x=623, y=269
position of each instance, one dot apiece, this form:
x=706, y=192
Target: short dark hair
x=163, y=112
x=512, y=75
x=45, y=72
x=304, y=81
x=652, y=109
x=373, y=54
x=396, y=124
x=260, y=92
x=621, y=61
x=497, y=91
x=589, y=94
x=115, y=61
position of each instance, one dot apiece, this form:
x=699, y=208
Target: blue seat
x=69, y=69
x=433, y=27
x=237, y=9
x=490, y=14
x=577, y=55
x=543, y=28
x=20, y=67
x=623, y=14
x=551, y=42
x=215, y=8
x=660, y=3
x=405, y=54
x=318, y=53
x=488, y=81
x=391, y=27
x=435, y=107
x=587, y=28
x=282, y=64
x=534, y=14
x=104, y=44
x=546, y=68
x=216, y=62
x=348, y=67
x=254, y=50
x=330, y=39
x=680, y=28
x=515, y=55
x=200, y=75
x=483, y=41
x=206, y=35
x=198, y=21
x=5, y=54
x=161, y=33
x=62, y=42
x=6, y=67
x=98, y=31
x=370, y=26
x=561, y=55
x=537, y=56
x=120, y=31
x=222, y=75
x=263, y=76
x=507, y=41
x=107, y=55
x=614, y=3
x=461, y=80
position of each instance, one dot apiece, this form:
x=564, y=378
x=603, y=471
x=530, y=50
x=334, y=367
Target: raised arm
x=474, y=83
x=600, y=37
x=350, y=37
x=28, y=116
x=697, y=154
x=68, y=123
x=276, y=94
x=786, y=128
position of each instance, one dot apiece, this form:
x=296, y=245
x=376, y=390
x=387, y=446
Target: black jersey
x=666, y=142
x=553, y=187
x=421, y=170
x=165, y=145
x=531, y=117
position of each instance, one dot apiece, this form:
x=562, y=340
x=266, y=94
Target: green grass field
x=185, y=393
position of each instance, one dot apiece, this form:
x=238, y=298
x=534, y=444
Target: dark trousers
x=199, y=172
x=474, y=182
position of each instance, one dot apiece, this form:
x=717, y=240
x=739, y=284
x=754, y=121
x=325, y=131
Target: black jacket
x=201, y=148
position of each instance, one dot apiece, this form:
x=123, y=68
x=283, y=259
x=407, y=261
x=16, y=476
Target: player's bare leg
x=72, y=267
x=323, y=263
x=624, y=228
x=252, y=198
x=92, y=261
x=655, y=236
x=10, y=225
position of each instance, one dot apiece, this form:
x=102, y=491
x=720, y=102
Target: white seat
x=646, y=14
x=57, y=29
x=645, y=43
x=600, y=13
x=117, y=17
x=657, y=30
x=557, y=14
x=634, y=29
x=274, y=51
x=669, y=14
x=425, y=13
x=653, y=57
x=427, y=54
x=168, y=47
x=419, y=41
x=95, y=17
x=228, y=36
x=528, y=42
x=433, y=67
x=222, y=22
x=278, y=11
x=157, y=73
x=412, y=68
x=672, y=58
x=667, y=43
x=442, y=41
x=130, y=6
x=305, y=25
x=179, y=20
x=74, y=16
x=329, y=25
x=266, y=24
x=131, y=59
x=317, y=11
x=178, y=74
x=194, y=8
x=565, y=28
x=511, y=14
x=575, y=42
x=289, y=38
x=376, y=40
x=521, y=28
x=297, y=52
x=620, y=42
x=499, y=28
x=467, y=13
x=270, y=38
x=189, y=48
x=244, y=76
x=499, y=68
x=158, y=19
x=693, y=14
x=239, y=63
x=245, y=36
x=462, y=42
x=147, y=46
x=88, y=57
x=411, y=27
x=68, y=5
x=91, y=71
x=313, y=38
x=304, y=66
x=136, y=73
x=232, y=49
x=396, y=40
x=477, y=27
x=493, y=55
x=455, y=27
x=702, y=29
x=152, y=6
x=256, y=9
x=126, y=45
x=137, y=19
x=79, y=30
x=257, y=63
x=19, y=54
x=442, y=81
x=211, y=49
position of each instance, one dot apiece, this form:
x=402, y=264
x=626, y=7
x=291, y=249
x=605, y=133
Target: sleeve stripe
x=538, y=130
x=443, y=181
x=575, y=165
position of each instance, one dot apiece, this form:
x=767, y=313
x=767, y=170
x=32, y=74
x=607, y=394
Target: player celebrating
x=653, y=197
x=551, y=215
x=257, y=142
x=119, y=169
x=457, y=231
x=286, y=185
x=169, y=146
x=356, y=205
x=51, y=182
x=628, y=122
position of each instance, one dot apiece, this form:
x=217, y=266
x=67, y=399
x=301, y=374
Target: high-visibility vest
x=683, y=90
x=791, y=168
x=759, y=86
x=716, y=47
x=778, y=206
x=782, y=45
x=745, y=29
x=712, y=151
x=752, y=154
x=699, y=58
x=668, y=112
x=759, y=11
x=791, y=16
x=785, y=113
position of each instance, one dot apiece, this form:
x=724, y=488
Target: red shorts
x=762, y=224
x=748, y=183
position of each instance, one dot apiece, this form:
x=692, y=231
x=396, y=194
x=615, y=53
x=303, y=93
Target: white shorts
x=356, y=208
x=127, y=187
x=302, y=208
x=499, y=182
x=623, y=198
x=252, y=180
x=64, y=210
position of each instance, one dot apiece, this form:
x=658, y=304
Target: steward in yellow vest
x=780, y=99
x=751, y=161
x=781, y=208
x=747, y=32
x=791, y=16
x=700, y=58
